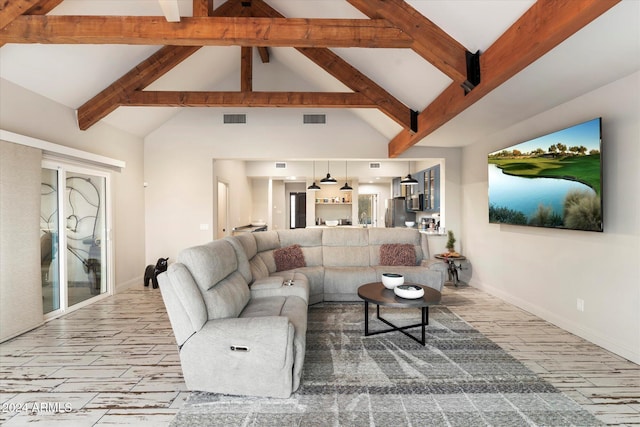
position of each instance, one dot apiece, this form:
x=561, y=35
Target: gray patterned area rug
x=460, y=378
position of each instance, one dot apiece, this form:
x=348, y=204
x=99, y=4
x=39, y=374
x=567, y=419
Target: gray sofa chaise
x=239, y=323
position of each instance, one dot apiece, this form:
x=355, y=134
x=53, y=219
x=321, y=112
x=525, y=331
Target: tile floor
x=115, y=363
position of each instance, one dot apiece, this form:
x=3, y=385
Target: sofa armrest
x=275, y=286
x=256, y=341
x=436, y=265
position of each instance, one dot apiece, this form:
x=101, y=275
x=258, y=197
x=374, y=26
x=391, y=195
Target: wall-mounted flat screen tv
x=552, y=181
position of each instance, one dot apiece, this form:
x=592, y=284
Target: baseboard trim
x=588, y=334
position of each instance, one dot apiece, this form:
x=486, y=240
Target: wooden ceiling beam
x=246, y=69
x=202, y=7
x=248, y=99
x=541, y=28
x=40, y=8
x=358, y=82
x=264, y=54
x=430, y=41
x=348, y=75
x=141, y=76
x=10, y=10
x=204, y=31
x=43, y=7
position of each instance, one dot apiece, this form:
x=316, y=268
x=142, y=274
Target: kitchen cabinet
x=396, y=188
x=432, y=189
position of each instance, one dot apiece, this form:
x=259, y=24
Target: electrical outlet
x=580, y=304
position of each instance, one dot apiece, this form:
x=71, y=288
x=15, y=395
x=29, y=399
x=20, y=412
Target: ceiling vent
x=281, y=165
x=314, y=119
x=235, y=118
x=374, y=165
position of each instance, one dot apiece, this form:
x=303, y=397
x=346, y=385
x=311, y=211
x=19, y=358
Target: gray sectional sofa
x=239, y=313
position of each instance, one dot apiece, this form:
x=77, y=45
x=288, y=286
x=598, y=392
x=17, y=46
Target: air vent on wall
x=235, y=118
x=314, y=119
x=281, y=165
x=374, y=165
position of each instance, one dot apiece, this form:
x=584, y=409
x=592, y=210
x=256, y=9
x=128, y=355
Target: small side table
x=453, y=268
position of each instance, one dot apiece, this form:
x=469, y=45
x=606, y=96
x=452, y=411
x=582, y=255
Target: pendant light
x=346, y=186
x=328, y=179
x=409, y=180
x=314, y=186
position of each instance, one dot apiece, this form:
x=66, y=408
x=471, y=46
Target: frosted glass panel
x=85, y=228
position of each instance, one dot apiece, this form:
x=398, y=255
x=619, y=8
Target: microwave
x=414, y=203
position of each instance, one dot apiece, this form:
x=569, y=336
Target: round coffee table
x=377, y=294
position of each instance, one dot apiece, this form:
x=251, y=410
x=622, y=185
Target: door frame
x=225, y=209
x=64, y=167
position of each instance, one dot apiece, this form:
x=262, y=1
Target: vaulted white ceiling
x=603, y=51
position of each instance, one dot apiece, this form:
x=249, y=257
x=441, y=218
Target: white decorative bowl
x=409, y=291
x=409, y=223
x=391, y=280
x=331, y=222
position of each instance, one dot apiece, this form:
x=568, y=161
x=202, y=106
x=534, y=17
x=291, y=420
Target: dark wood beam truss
x=429, y=40
x=14, y=9
x=348, y=75
x=205, y=31
x=141, y=76
x=248, y=99
x=253, y=23
x=544, y=26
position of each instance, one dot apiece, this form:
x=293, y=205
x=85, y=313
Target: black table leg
x=366, y=318
x=424, y=322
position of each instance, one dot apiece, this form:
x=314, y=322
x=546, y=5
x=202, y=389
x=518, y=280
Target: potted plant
x=451, y=241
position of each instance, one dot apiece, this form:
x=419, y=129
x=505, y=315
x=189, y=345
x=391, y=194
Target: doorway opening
x=298, y=210
x=222, y=227
x=368, y=210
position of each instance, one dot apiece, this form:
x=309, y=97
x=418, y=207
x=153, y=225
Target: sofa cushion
x=266, y=240
x=259, y=269
x=241, y=253
x=214, y=267
x=288, y=258
x=183, y=300
x=345, y=247
x=397, y=254
x=342, y=283
x=227, y=298
x=309, y=239
x=210, y=263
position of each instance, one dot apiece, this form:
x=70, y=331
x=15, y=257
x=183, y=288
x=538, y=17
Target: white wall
x=545, y=271
x=27, y=113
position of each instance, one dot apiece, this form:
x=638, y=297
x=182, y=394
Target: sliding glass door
x=49, y=236
x=73, y=217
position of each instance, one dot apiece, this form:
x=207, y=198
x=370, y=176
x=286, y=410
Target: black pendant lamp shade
x=346, y=186
x=328, y=179
x=409, y=180
x=314, y=186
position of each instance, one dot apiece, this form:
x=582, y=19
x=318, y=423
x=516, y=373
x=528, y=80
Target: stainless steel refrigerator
x=396, y=213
